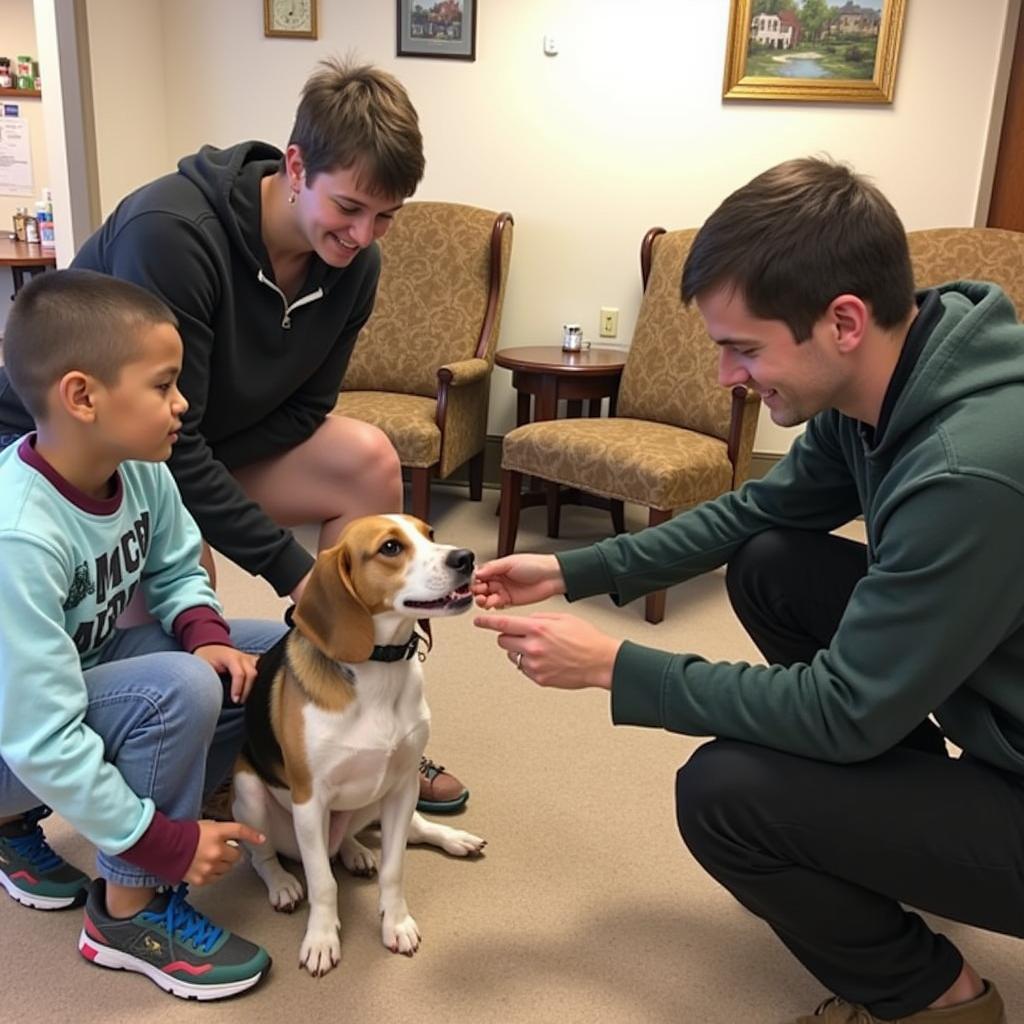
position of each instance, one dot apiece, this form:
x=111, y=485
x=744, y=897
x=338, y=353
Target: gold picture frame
x=843, y=34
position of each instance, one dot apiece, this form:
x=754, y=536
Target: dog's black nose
x=462, y=559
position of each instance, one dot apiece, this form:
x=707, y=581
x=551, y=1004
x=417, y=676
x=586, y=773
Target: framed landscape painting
x=813, y=50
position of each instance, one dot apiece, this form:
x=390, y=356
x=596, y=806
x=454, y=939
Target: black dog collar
x=385, y=652
x=396, y=652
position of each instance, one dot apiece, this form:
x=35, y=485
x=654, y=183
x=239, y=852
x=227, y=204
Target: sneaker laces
x=429, y=769
x=183, y=921
x=33, y=846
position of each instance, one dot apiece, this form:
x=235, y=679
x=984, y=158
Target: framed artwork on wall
x=839, y=52
x=437, y=28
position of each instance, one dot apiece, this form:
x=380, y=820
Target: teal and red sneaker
x=31, y=872
x=173, y=945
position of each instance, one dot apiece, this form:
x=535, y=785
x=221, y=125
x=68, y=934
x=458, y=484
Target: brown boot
x=440, y=791
x=985, y=1009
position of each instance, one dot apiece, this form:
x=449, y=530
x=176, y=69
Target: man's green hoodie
x=937, y=623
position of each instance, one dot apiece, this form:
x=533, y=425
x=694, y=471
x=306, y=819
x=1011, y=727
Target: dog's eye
x=390, y=548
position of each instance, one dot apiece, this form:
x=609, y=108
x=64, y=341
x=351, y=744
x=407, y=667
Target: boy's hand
x=229, y=661
x=217, y=850
x=516, y=580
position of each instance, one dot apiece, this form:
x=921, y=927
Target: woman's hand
x=516, y=580
x=556, y=650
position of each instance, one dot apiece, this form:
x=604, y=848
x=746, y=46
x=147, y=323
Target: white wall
x=624, y=129
x=130, y=93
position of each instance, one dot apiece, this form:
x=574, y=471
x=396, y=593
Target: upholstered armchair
x=975, y=254
x=421, y=368
x=677, y=437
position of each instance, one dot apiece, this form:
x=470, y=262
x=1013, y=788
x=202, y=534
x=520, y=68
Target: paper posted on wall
x=15, y=157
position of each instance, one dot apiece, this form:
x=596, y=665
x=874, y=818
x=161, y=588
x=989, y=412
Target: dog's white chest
x=362, y=752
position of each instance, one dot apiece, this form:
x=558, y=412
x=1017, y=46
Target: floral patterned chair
x=421, y=367
x=677, y=437
x=976, y=254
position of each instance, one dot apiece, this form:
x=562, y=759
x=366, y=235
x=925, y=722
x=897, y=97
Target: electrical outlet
x=609, y=322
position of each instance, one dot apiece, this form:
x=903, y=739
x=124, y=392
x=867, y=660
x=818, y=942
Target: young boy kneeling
x=120, y=731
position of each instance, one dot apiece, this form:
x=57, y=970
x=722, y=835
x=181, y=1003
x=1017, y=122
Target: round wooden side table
x=546, y=374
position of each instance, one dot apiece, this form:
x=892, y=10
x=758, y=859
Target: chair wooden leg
x=618, y=515
x=553, y=493
x=508, y=510
x=420, y=479
x=476, y=477
x=654, y=605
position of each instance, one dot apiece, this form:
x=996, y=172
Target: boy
x=109, y=726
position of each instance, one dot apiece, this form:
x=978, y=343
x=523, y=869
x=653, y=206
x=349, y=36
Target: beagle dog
x=336, y=723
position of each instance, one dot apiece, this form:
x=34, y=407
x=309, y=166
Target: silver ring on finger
x=519, y=660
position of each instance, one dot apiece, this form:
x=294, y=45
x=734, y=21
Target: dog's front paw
x=400, y=933
x=461, y=844
x=357, y=858
x=285, y=893
x=284, y=890
x=321, y=949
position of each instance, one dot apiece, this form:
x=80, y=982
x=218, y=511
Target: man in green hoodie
x=826, y=802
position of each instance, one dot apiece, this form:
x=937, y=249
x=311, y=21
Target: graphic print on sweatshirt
x=111, y=570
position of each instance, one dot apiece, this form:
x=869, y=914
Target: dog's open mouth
x=455, y=599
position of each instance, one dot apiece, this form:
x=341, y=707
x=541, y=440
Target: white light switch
x=550, y=46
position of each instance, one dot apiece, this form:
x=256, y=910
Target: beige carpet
x=586, y=907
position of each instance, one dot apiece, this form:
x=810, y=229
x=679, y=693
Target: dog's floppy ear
x=330, y=613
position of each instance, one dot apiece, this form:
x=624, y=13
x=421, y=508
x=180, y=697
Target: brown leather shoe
x=985, y=1009
x=440, y=791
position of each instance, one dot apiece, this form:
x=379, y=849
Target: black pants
x=826, y=853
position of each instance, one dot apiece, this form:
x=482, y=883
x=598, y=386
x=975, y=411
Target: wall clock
x=295, y=19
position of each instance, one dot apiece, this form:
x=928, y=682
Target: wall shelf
x=23, y=93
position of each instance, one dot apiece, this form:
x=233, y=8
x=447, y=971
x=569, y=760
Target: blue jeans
x=161, y=714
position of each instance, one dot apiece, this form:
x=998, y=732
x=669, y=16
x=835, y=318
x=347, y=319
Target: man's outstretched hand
x=516, y=580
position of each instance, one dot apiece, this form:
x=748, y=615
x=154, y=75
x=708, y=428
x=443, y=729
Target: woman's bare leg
x=346, y=469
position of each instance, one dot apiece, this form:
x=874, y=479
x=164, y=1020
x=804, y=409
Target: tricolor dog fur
x=337, y=722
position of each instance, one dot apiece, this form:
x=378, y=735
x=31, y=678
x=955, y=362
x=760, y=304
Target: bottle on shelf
x=45, y=221
x=31, y=228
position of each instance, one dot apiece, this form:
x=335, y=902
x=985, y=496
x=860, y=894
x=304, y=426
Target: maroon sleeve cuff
x=166, y=848
x=196, y=627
